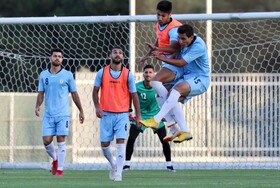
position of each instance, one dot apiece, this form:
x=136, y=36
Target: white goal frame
x=248, y=155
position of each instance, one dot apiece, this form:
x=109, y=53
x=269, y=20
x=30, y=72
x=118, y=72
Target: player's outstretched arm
x=172, y=48
x=149, y=53
x=176, y=62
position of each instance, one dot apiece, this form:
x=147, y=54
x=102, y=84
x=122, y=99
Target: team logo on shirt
x=46, y=81
x=61, y=81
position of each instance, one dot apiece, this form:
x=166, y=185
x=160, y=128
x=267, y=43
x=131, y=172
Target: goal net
x=234, y=125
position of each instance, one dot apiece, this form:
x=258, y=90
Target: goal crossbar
x=137, y=18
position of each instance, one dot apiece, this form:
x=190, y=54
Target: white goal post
x=236, y=124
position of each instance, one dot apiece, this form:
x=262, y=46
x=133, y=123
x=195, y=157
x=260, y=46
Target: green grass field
x=142, y=178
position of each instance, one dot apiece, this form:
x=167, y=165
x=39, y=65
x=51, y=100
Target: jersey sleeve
x=72, y=85
x=41, y=83
x=98, y=77
x=173, y=35
x=131, y=83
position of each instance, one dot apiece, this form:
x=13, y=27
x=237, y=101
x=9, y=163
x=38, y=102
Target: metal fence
x=237, y=121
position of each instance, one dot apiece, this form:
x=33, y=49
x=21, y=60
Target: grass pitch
x=142, y=178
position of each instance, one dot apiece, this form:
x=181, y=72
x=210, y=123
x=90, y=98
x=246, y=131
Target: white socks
x=171, y=101
x=160, y=89
x=61, y=154
x=127, y=163
x=179, y=116
x=107, y=152
x=169, y=105
x=168, y=163
x=120, y=152
x=51, y=151
x=173, y=129
x=120, y=155
x=169, y=119
x=162, y=95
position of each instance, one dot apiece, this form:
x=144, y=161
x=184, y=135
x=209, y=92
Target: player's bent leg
x=51, y=152
x=165, y=75
x=107, y=152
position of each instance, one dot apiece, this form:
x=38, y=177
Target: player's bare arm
x=77, y=101
x=40, y=99
x=136, y=104
x=172, y=48
x=176, y=62
x=95, y=98
x=148, y=54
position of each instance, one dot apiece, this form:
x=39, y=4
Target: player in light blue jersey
x=55, y=84
x=196, y=80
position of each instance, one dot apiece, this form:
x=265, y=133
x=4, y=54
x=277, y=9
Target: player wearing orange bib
x=117, y=85
x=167, y=43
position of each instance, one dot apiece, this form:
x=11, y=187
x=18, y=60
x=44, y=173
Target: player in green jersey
x=148, y=108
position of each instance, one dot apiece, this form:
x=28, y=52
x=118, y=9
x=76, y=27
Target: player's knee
x=46, y=143
x=47, y=140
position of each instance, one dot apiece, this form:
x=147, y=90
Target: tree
x=33, y=8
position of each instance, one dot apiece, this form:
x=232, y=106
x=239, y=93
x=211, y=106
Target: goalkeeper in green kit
x=148, y=108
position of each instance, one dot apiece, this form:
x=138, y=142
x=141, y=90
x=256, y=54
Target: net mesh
x=235, y=124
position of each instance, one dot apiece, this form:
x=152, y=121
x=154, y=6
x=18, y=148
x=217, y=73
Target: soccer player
x=196, y=80
x=55, y=84
x=148, y=108
x=167, y=44
x=117, y=87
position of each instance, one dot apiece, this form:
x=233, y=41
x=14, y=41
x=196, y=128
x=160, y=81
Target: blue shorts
x=113, y=124
x=178, y=71
x=56, y=126
x=198, y=84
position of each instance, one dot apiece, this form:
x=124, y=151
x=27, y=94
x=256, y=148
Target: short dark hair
x=186, y=29
x=164, y=6
x=56, y=50
x=148, y=67
x=116, y=47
